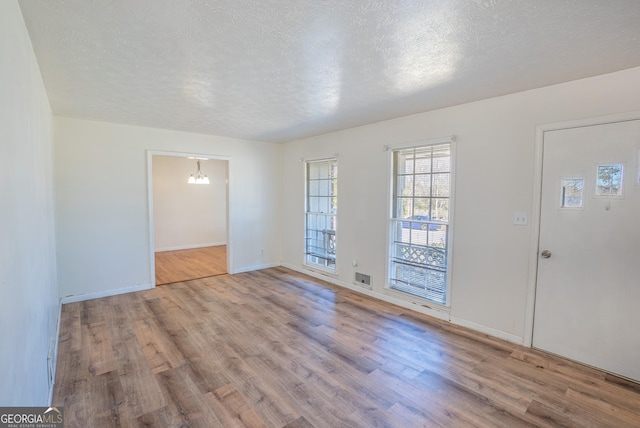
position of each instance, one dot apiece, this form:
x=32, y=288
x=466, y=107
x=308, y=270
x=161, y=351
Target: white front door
x=587, y=305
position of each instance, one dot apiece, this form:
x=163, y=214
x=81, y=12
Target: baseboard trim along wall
x=417, y=307
x=489, y=331
x=257, y=267
x=441, y=315
x=105, y=293
x=189, y=247
x=54, y=363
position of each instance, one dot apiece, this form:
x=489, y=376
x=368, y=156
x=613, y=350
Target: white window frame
x=331, y=270
x=391, y=149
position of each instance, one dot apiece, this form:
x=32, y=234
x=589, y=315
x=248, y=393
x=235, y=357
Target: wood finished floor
x=274, y=348
x=193, y=263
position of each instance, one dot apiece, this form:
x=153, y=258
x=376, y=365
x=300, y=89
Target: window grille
x=418, y=262
x=321, y=211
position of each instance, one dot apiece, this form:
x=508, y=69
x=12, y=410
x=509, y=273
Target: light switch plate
x=520, y=219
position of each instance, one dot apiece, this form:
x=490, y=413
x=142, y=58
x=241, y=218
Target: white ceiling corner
x=281, y=70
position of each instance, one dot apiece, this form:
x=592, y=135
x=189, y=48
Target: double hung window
x=419, y=253
x=320, y=213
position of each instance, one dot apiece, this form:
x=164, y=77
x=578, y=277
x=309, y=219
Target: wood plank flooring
x=275, y=348
x=193, y=263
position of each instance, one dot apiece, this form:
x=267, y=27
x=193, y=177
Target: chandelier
x=198, y=177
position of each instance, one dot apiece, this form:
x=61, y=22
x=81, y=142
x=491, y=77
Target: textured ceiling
x=280, y=70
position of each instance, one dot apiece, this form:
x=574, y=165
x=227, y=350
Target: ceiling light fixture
x=198, y=177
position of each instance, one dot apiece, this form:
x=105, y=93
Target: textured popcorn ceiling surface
x=280, y=70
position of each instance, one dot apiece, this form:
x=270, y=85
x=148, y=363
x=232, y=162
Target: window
x=419, y=250
x=320, y=213
x=609, y=181
x=571, y=193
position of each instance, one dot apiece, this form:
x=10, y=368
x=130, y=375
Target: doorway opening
x=189, y=222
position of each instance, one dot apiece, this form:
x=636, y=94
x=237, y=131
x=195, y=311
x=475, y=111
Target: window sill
x=322, y=271
x=412, y=298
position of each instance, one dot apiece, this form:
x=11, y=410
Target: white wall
x=102, y=202
x=495, y=170
x=29, y=306
x=188, y=215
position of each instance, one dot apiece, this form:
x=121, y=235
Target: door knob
x=545, y=254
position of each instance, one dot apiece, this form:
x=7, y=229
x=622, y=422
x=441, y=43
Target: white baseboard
x=105, y=293
x=256, y=267
x=441, y=315
x=55, y=353
x=417, y=307
x=189, y=247
x=488, y=330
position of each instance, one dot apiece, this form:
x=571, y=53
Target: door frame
x=229, y=235
x=527, y=340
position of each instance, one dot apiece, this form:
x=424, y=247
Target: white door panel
x=588, y=291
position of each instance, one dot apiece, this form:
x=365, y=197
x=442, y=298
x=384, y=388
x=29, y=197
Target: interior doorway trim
x=527, y=340
x=150, y=155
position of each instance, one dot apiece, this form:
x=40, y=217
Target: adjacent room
x=321, y=214
x=189, y=217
